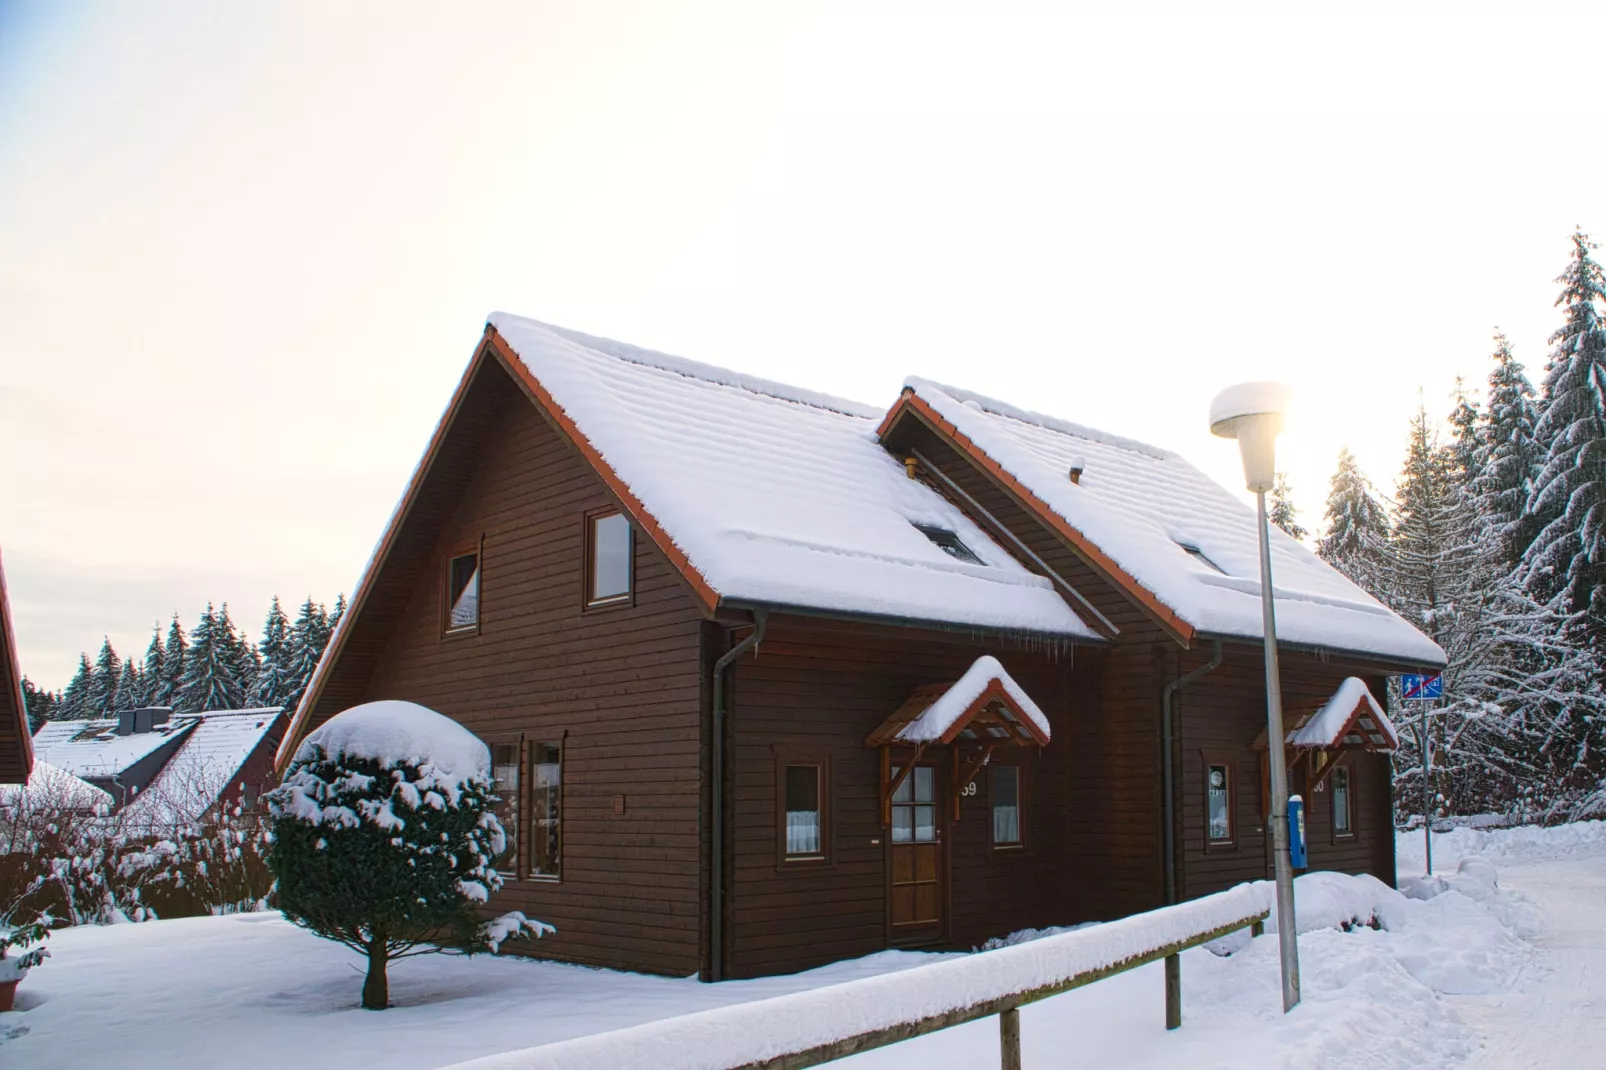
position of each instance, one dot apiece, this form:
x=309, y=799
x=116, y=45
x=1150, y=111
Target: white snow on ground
x=1451, y=982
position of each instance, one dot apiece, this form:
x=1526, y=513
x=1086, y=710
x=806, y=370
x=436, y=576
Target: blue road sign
x=1422, y=687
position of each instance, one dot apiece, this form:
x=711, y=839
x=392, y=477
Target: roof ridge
x=1043, y=420
x=695, y=369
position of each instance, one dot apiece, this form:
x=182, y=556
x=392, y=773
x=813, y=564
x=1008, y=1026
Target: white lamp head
x=1253, y=414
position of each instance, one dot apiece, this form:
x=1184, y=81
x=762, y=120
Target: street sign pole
x=1427, y=792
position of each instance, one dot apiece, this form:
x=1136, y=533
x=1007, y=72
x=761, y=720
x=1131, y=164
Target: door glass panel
x=925, y=824
x=906, y=790
x=925, y=778
x=903, y=824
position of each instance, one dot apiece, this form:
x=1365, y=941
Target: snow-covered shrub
x=65, y=854
x=384, y=832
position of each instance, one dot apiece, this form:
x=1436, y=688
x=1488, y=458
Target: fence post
x=1009, y=1039
x=1173, y=991
x=1258, y=929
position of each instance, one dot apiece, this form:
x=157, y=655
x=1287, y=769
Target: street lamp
x=1253, y=413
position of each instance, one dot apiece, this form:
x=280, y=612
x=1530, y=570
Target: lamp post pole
x=1252, y=413
x=1287, y=929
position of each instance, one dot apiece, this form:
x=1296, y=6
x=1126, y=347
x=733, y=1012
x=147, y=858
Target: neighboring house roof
x=93, y=748
x=50, y=788
x=16, y=748
x=1166, y=529
x=209, y=762
x=208, y=749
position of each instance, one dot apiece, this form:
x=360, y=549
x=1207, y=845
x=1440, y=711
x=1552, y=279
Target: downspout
x=1168, y=763
x=716, y=820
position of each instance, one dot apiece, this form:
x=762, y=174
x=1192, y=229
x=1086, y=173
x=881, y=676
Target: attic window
x=949, y=543
x=1198, y=555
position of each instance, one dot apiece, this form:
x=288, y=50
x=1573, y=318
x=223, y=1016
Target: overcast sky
x=246, y=250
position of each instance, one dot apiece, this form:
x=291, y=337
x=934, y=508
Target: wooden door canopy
x=983, y=706
x=1350, y=720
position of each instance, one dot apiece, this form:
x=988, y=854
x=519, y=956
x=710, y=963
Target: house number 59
x=969, y=789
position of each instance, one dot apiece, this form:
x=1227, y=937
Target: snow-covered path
x=1556, y=1017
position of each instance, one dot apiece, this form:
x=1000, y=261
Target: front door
x=918, y=872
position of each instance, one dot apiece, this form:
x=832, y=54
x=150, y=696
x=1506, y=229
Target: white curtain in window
x=1006, y=824
x=802, y=832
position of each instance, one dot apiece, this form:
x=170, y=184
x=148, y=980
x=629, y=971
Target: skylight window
x=1199, y=556
x=949, y=543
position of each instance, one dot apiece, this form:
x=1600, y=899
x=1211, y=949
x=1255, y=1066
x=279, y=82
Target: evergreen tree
x=154, y=669
x=1568, y=506
x=1281, y=511
x=41, y=704
x=1356, y=540
x=211, y=671
x=175, y=654
x=77, y=701
x=1508, y=461
x=130, y=694
x=271, y=684
x=239, y=652
x=338, y=612
x=305, y=645
x=108, y=672
x=406, y=872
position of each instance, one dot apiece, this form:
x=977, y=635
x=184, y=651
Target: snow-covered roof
x=1176, y=532
x=938, y=713
x=217, y=745
x=54, y=789
x=778, y=496
x=94, y=749
x=1351, y=717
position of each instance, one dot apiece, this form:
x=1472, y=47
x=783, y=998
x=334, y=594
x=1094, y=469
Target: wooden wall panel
x=621, y=686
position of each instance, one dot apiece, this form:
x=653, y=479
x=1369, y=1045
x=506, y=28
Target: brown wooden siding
x=620, y=685
x=16, y=745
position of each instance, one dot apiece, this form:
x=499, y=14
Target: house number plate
x=969, y=789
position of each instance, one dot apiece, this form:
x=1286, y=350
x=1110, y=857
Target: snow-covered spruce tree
x=238, y=651
x=1568, y=505
x=304, y=646
x=154, y=668
x=1281, y=511
x=1356, y=539
x=1509, y=458
x=174, y=654
x=130, y=694
x=108, y=670
x=40, y=703
x=211, y=680
x=77, y=700
x=269, y=688
x=384, y=832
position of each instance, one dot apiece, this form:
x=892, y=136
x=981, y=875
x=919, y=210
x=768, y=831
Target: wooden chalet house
x=16, y=748
x=772, y=678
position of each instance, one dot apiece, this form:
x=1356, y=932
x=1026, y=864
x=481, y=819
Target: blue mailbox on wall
x=1296, y=832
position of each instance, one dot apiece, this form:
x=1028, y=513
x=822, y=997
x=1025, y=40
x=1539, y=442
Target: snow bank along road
x=1555, y=1014
x=1502, y=965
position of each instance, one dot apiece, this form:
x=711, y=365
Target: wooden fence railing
x=820, y=1025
